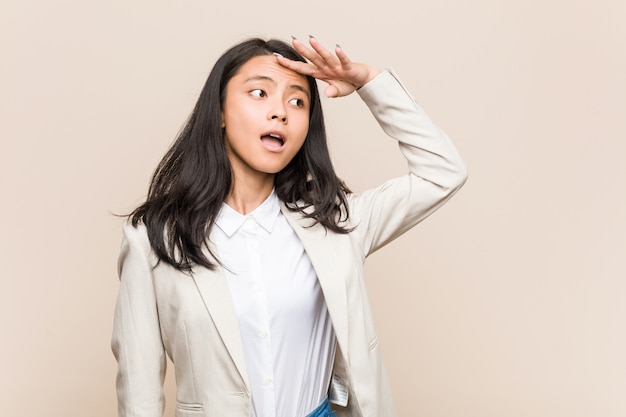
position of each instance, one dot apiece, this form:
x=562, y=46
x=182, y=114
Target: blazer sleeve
x=436, y=170
x=136, y=341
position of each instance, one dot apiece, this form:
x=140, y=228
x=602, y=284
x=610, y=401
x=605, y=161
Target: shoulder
x=136, y=244
x=135, y=234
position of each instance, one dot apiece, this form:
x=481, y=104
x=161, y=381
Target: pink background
x=510, y=301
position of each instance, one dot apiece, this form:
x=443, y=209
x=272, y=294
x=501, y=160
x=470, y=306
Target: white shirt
x=288, y=338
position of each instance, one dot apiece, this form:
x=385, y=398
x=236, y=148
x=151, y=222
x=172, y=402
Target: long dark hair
x=193, y=179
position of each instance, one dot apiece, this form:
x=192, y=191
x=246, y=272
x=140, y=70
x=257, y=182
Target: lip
x=272, y=146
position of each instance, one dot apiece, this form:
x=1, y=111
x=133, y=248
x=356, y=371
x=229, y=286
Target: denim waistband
x=323, y=410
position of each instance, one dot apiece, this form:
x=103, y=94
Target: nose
x=281, y=117
x=278, y=112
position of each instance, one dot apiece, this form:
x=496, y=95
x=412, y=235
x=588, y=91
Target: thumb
x=331, y=91
x=338, y=90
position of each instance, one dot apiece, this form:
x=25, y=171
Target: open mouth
x=273, y=141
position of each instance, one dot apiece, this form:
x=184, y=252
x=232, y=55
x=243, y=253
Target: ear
x=223, y=125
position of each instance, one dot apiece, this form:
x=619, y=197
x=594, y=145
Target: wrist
x=372, y=72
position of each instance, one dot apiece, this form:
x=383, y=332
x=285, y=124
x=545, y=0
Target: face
x=265, y=116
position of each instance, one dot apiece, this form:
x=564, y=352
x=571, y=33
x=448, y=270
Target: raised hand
x=341, y=74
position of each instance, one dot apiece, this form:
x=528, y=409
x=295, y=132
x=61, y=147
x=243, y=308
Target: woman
x=245, y=264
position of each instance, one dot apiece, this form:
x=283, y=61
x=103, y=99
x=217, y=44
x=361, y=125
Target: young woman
x=245, y=263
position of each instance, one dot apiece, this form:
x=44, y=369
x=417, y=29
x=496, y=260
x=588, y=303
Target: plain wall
x=509, y=301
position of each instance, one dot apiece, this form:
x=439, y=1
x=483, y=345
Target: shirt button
x=263, y=334
x=268, y=381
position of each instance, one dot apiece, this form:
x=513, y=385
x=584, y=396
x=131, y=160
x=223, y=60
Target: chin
x=272, y=168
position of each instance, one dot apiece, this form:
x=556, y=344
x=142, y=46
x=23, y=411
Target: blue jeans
x=323, y=410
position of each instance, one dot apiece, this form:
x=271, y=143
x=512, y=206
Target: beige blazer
x=161, y=311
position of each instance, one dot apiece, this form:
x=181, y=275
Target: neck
x=250, y=192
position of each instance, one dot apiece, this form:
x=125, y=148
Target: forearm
x=436, y=170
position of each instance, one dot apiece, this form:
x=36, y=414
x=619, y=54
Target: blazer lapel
x=323, y=249
x=217, y=300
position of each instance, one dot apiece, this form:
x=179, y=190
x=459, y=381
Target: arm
x=436, y=170
x=136, y=341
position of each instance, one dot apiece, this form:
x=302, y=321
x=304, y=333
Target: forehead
x=266, y=67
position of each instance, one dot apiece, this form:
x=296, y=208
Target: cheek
x=238, y=125
x=303, y=127
x=301, y=138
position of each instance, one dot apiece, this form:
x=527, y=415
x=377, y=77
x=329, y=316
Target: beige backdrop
x=510, y=301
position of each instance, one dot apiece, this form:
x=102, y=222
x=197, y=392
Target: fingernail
x=277, y=54
x=338, y=46
x=311, y=36
x=293, y=37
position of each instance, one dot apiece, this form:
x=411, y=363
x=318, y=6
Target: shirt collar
x=230, y=220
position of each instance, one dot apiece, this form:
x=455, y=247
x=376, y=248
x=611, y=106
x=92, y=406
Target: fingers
x=322, y=52
x=337, y=70
x=297, y=66
x=343, y=58
x=306, y=52
x=317, y=54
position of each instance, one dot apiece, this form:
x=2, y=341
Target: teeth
x=275, y=136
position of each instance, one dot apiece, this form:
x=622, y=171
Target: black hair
x=193, y=179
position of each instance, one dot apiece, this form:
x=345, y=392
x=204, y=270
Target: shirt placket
x=263, y=340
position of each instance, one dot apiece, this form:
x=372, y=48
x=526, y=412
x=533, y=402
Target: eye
x=257, y=92
x=298, y=102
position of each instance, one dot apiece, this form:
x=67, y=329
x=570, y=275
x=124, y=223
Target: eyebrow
x=270, y=79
